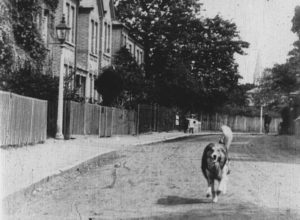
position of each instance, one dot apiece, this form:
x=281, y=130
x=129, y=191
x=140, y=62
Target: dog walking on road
x=215, y=164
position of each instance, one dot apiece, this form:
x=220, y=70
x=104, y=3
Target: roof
x=89, y=4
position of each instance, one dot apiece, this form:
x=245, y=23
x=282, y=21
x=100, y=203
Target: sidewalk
x=24, y=166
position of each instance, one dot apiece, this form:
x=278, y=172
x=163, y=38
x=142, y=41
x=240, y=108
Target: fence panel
x=237, y=123
x=165, y=119
x=108, y=125
x=23, y=120
x=145, y=118
x=77, y=118
x=102, y=121
x=92, y=119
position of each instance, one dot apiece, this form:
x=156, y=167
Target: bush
x=109, y=84
x=30, y=82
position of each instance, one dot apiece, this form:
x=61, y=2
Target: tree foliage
x=189, y=60
x=19, y=37
x=109, y=84
x=28, y=81
x=124, y=83
x=135, y=85
x=280, y=80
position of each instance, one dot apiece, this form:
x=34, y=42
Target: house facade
x=93, y=39
x=106, y=35
x=63, y=57
x=89, y=46
x=122, y=38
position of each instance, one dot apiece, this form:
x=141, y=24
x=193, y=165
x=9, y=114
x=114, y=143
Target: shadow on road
x=175, y=200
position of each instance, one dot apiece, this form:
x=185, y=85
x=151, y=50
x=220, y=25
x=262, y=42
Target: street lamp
x=62, y=31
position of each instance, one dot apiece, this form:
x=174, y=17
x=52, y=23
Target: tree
x=109, y=84
x=280, y=80
x=148, y=20
x=135, y=85
x=189, y=60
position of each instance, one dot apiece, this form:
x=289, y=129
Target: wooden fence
x=91, y=119
x=23, y=120
x=237, y=123
x=155, y=118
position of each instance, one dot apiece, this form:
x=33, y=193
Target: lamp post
x=61, y=30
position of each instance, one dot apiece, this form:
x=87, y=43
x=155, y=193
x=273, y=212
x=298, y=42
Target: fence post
x=138, y=120
x=216, y=126
x=99, y=121
x=67, y=119
x=112, y=121
x=31, y=120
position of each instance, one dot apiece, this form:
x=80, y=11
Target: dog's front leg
x=214, y=192
x=224, y=180
x=209, y=190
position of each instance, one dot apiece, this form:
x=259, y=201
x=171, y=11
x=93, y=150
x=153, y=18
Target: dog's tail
x=228, y=136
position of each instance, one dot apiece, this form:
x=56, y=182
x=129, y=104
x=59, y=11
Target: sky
x=265, y=24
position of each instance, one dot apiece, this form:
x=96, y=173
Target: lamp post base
x=59, y=136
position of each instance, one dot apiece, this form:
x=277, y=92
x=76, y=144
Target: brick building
x=68, y=8
x=122, y=38
x=89, y=46
x=106, y=35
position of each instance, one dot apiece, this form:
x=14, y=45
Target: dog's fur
x=215, y=164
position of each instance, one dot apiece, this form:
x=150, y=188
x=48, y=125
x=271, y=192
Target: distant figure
x=192, y=124
x=267, y=122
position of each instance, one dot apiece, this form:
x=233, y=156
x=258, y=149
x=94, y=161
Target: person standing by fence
x=267, y=122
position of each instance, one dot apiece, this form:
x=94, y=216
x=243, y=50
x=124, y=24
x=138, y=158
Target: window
x=82, y=88
x=68, y=20
x=70, y=74
x=95, y=91
x=142, y=58
x=80, y=85
x=91, y=86
x=137, y=56
x=45, y=26
x=105, y=36
x=92, y=37
x=71, y=22
x=130, y=48
x=96, y=38
x=73, y=25
x=108, y=46
x=65, y=70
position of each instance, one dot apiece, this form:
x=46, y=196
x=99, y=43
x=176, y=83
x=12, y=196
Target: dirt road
x=164, y=181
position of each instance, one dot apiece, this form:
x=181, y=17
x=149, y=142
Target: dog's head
x=216, y=153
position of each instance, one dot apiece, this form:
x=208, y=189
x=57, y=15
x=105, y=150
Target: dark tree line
x=189, y=60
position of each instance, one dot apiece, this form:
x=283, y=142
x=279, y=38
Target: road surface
x=164, y=181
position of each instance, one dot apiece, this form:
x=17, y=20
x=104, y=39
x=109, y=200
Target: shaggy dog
x=215, y=164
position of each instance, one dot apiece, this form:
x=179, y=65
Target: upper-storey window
x=141, y=57
x=92, y=36
x=71, y=22
x=68, y=20
x=137, y=57
x=105, y=36
x=108, y=41
x=96, y=38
